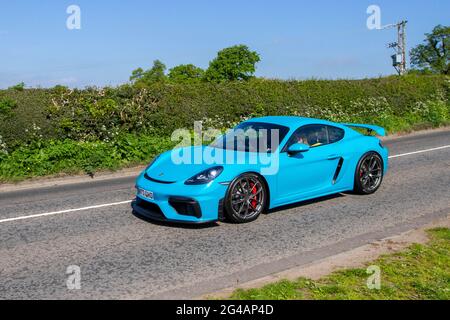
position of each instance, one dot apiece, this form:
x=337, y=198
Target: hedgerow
x=36, y=123
x=68, y=156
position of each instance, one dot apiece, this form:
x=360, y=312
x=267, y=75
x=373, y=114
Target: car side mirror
x=297, y=148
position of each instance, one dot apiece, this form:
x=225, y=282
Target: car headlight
x=205, y=176
x=152, y=162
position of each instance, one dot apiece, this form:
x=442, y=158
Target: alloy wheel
x=370, y=173
x=247, y=198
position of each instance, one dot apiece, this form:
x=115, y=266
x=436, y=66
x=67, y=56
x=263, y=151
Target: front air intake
x=186, y=206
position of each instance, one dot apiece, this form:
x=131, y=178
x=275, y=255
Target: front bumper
x=177, y=202
x=141, y=208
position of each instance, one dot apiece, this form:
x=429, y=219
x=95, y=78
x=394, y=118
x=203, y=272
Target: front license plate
x=145, y=193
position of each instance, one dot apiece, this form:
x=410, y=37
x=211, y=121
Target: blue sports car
x=261, y=164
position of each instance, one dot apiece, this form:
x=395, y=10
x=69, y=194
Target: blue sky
x=296, y=39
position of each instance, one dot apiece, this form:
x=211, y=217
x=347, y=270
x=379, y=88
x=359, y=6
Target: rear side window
x=335, y=134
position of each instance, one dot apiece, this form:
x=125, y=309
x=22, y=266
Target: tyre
x=246, y=198
x=369, y=173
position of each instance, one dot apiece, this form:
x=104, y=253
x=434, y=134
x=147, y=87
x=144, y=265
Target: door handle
x=333, y=157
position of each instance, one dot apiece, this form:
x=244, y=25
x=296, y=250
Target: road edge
x=354, y=258
x=206, y=288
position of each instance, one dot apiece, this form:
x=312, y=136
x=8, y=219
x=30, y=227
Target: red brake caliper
x=254, y=201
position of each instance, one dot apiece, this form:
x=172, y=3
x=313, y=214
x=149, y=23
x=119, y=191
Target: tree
x=137, y=74
x=186, y=73
x=18, y=87
x=233, y=63
x=154, y=74
x=434, y=55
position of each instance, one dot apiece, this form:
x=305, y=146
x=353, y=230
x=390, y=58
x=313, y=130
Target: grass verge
x=422, y=272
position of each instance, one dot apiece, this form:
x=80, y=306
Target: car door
x=308, y=173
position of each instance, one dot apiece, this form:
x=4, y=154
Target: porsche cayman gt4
x=261, y=164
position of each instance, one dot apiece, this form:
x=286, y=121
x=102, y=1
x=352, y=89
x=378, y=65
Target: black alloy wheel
x=369, y=173
x=246, y=198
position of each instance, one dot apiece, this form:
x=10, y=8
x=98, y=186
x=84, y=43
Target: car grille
x=149, y=208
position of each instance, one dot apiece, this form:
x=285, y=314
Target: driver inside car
x=302, y=139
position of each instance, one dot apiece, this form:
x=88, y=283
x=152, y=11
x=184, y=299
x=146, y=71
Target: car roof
x=292, y=122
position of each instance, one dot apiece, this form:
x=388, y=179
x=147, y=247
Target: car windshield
x=252, y=137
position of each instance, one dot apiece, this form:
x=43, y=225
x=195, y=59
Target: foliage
x=18, y=87
x=185, y=73
x=434, y=55
x=155, y=74
x=6, y=106
x=3, y=148
x=93, y=114
x=68, y=156
x=420, y=273
x=233, y=63
x=104, y=116
x=28, y=107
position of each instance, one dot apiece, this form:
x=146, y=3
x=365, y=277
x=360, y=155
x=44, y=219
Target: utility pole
x=399, y=58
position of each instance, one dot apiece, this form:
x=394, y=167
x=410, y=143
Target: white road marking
x=420, y=151
x=65, y=211
x=129, y=201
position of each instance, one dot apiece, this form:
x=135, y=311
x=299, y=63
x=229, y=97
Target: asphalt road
x=122, y=256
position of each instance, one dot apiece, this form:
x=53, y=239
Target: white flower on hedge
x=3, y=146
x=35, y=127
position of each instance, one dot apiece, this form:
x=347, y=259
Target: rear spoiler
x=370, y=128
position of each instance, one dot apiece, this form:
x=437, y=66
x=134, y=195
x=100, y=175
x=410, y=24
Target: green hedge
x=104, y=116
x=68, y=156
x=99, y=114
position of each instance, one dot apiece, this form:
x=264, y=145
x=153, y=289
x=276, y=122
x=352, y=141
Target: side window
x=335, y=134
x=312, y=135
